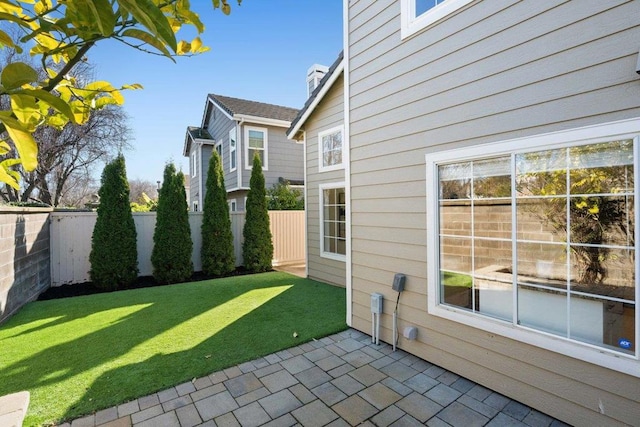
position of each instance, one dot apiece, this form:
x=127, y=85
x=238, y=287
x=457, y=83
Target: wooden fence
x=71, y=241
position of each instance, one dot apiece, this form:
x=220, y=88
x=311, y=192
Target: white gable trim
x=261, y=120
x=334, y=76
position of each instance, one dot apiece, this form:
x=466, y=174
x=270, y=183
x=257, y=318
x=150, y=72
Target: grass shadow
x=110, y=348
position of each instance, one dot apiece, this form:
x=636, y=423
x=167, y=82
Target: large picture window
x=541, y=239
x=419, y=14
x=330, y=149
x=333, y=229
x=256, y=144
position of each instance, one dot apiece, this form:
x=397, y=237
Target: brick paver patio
x=340, y=380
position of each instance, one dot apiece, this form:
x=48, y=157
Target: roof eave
x=261, y=120
x=307, y=112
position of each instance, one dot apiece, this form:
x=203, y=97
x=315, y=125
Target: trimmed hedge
x=114, y=255
x=172, y=244
x=218, y=256
x=257, y=248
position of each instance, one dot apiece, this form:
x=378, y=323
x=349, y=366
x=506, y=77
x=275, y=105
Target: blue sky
x=260, y=52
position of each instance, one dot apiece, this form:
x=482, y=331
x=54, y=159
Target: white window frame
x=233, y=149
x=218, y=148
x=626, y=129
x=233, y=205
x=194, y=163
x=411, y=24
x=323, y=252
x=321, y=166
x=248, y=162
x=194, y=205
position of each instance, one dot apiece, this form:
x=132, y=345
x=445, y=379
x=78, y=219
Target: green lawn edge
x=79, y=355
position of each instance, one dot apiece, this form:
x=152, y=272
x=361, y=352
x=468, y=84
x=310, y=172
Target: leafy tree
x=147, y=204
x=141, y=190
x=60, y=34
x=114, y=255
x=172, y=245
x=257, y=249
x=218, y=256
x=281, y=197
x=67, y=156
x=595, y=218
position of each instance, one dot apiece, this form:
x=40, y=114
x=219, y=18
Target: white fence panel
x=287, y=229
x=71, y=241
x=70, y=244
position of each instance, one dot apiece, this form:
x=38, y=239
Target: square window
x=417, y=15
x=256, y=142
x=534, y=243
x=330, y=149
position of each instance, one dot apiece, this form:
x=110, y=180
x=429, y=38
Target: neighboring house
x=320, y=125
x=238, y=129
x=490, y=151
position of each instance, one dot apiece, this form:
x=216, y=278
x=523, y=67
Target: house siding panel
x=328, y=114
x=219, y=130
x=284, y=158
x=492, y=72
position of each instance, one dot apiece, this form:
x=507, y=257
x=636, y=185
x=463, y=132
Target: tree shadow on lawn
x=261, y=312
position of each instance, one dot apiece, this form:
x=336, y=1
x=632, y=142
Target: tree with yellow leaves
x=60, y=34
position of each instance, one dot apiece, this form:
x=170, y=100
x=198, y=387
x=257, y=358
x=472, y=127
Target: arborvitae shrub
x=257, y=249
x=114, y=255
x=172, y=244
x=217, y=254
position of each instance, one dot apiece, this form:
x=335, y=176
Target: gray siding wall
x=328, y=114
x=285, y=157
x=494, y=71
x=194, y=186
x=219, y=127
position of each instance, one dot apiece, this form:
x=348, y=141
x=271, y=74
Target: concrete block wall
x=25, y=267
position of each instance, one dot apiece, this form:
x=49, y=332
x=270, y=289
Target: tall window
x=333, y=230
x=233, y=157
x=419, y=14
x=542, y=239
x=219, y=149
x=194, y=164
x=256, y=144
x=330, y=149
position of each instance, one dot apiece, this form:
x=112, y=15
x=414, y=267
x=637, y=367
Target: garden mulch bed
x=88, y=288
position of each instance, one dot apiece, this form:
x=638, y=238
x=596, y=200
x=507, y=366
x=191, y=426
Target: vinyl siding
x=219, y=126
x=328, y=114
x=284, y=157
x=491, y=72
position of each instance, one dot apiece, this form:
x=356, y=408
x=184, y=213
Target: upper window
x=233, y=157
x=219, y=149
x=333, y=229
x=330, y=149
x=419, y=14
x=539, y=241
x=194, y=164
x=256, y=141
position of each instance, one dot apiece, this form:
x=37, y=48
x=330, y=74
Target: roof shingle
x=235, y=106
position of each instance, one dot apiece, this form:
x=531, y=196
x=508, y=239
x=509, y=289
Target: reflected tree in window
x=588, y=192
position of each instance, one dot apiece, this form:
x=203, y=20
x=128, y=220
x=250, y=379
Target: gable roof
x=316, y=96
x=237, y=108
x=193, y=133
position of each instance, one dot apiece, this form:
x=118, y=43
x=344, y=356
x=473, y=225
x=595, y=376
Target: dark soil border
x=88, y=288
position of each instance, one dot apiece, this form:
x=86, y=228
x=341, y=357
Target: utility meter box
x=376, y=303
x=398, y=282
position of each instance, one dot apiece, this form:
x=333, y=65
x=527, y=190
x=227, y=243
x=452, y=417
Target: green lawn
x=79, y=355
x=450, y=278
